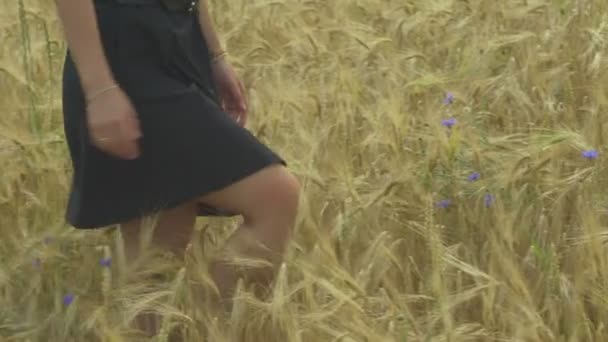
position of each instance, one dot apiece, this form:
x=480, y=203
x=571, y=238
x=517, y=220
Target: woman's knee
x=291, y=192
x=279, y=196
x=270, y=193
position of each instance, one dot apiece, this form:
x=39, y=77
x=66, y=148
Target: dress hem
x=200, y=191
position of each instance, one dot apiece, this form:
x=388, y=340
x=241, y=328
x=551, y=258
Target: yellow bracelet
x=217, y=56
x=101, y=91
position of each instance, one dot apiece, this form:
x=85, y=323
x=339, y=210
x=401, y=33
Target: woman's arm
x=83, y=38
x=111, y=118
x=209, y=33
x=231, y=89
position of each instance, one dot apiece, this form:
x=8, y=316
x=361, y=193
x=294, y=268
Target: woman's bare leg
x=172, y=232
x=268, y=201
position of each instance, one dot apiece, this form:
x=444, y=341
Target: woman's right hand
x=113, y=124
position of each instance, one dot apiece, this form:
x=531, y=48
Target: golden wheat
x=473, y=216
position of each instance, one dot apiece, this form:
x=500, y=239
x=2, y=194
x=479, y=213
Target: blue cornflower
x=445, y=203
x=105, y=262
x=449, y=98
x=590, y=154
x=448, y=122
x=68, y=299
x=488, y=200
x=474, y=176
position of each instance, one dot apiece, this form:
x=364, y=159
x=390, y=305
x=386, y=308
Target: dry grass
x=351, y=92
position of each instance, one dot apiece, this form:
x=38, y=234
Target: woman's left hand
x=231, y=90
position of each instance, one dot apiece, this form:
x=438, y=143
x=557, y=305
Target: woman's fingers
x=114, y=127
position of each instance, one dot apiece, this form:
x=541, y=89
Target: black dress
x=189, y=146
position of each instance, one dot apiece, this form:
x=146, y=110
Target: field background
x=396, y=241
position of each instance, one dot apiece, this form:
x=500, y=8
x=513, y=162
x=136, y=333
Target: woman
x=154, y=118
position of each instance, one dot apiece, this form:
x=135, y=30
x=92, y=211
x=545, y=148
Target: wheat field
x=451, y=157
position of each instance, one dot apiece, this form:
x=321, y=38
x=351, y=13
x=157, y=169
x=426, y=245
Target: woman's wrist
x=93, y=80
x=94, y=94
x=218, y=55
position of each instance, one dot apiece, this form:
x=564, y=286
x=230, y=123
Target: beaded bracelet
x=101, y=91
x=218, y=55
